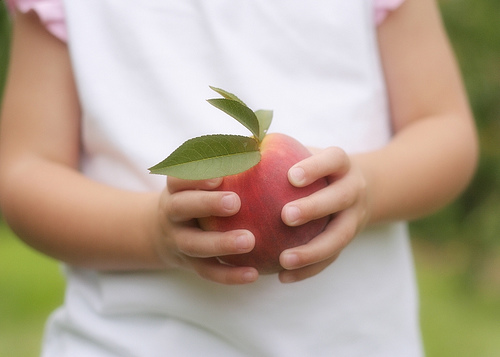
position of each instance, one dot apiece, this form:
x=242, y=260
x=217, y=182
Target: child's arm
x=55, y=209
x=429, y=161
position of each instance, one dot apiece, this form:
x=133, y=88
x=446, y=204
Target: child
x=372, y=88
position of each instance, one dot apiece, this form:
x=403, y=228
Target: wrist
x=363, y=164
x=155, y=232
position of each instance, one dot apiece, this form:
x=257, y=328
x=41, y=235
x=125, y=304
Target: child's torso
x=143, y=71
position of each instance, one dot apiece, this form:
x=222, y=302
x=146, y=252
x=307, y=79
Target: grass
x=4, y=44
x=457, y=324
x=456, y=321
x=31, y=286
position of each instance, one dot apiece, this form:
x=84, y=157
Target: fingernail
x=292, y=214
x=249, y=276
x=243, y=242
x=288, y=278
x=228, y=202
x=214, y=182
x=290, y=260
x=296, y=175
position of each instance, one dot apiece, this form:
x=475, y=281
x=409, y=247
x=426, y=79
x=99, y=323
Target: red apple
x=262, y=185
x=264, y=189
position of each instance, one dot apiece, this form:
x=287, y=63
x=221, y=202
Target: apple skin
x=263, y=190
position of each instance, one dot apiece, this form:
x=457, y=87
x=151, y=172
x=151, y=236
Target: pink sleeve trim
x=50, y=12
x=383, y=7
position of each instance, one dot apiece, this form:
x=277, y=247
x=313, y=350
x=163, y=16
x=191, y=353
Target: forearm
x=47, y=202
x=61, y=213
x=434, y=150
x=424, y=167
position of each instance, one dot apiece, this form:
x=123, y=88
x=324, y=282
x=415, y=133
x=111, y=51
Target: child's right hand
x=182, y=244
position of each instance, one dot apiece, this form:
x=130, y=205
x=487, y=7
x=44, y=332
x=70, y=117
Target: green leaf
x=265, y=118
x=210, y=156
x=240, y=112
x=227, y=95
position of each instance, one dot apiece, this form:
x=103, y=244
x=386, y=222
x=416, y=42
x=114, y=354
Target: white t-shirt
x=142, y=71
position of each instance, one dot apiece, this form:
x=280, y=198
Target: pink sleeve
x=383, y=7
x=51, y=13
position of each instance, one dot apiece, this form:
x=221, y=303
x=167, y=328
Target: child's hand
x=345, y=198
x=181, y=244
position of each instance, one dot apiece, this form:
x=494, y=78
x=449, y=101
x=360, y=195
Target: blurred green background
x=457, y=251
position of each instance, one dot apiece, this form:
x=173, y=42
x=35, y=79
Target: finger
x=338, y=233
x=330, y=161
x=211, y=269
x=291, y=276
x=332, y=199
x=186, y=205
x=196, y=243
x=175, y=184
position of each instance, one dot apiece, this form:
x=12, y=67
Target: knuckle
x=338, y=160
x=221, y=276
x=337, y=154
x=311, y=210
x=173, y=184
x=220, y=245
x=173, y=205
x=334, y=151
x=210, y=201
x=205, y=273
x=164, y=202
x=345, y=198
x=226, y=278
x=188, y=246
x=363, y=187
x=345, y=237
x=227, y=244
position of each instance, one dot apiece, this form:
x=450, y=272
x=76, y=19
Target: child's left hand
x=346, y=198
